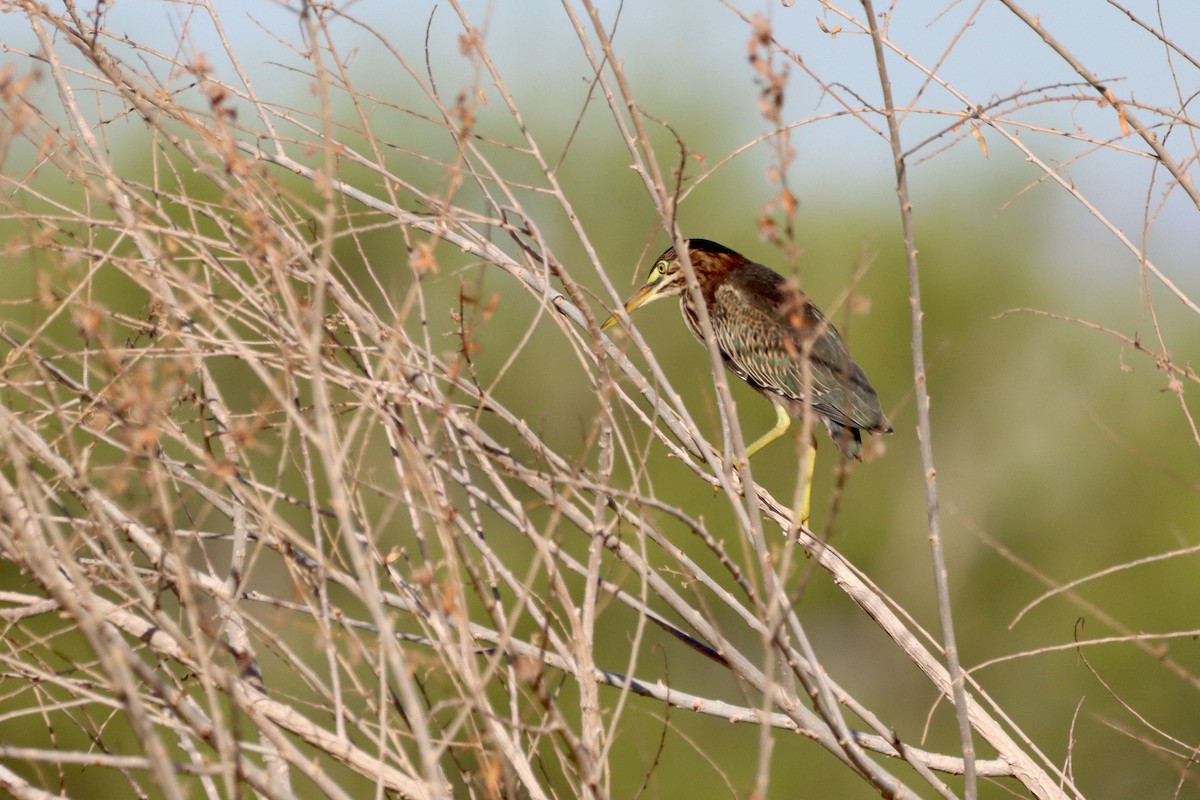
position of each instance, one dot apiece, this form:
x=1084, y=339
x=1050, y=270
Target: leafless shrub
x=272, y=519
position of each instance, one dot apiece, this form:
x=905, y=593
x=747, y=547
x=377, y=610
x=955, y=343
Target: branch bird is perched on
x=766, y=330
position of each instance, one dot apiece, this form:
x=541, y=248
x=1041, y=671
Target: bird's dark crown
x=710, y=260
x=709, y=246
x=707, y=257
x=700, y=246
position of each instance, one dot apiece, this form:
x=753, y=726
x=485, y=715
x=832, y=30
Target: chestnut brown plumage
x=766, y=330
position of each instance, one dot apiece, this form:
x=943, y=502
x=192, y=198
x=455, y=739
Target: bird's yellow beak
x=640, y=298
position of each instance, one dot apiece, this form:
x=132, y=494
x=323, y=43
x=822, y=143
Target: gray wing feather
x=752, y=332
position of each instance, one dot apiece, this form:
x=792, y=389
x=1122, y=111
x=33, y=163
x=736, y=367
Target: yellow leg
x=781, y=424
x=782, y=421
x=806, y=501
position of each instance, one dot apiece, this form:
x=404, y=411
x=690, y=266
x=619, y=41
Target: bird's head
x=710, y=261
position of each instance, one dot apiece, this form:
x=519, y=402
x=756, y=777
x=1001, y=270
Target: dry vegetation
x=271, y=525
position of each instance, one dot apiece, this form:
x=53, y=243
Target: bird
x=765, y=330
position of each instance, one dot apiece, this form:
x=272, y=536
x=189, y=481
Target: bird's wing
x=764, y=327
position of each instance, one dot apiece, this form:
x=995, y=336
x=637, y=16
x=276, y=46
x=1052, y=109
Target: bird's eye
x=660, y=268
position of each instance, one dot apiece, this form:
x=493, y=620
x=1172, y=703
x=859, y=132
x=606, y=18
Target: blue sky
x=697, y=60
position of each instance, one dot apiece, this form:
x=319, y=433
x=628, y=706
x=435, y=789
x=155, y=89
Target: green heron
x=766, y=329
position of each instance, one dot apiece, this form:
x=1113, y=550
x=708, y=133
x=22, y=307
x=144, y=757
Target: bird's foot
x=736, y=468
x=735, y=477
